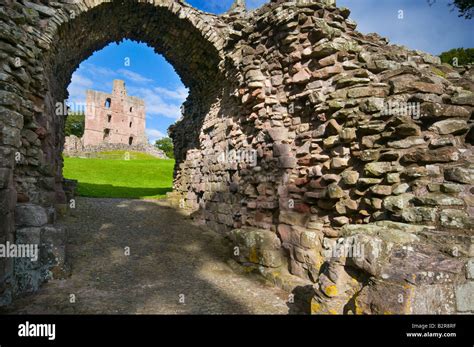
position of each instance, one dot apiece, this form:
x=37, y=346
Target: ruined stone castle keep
x=115, y=118
x=361, y=187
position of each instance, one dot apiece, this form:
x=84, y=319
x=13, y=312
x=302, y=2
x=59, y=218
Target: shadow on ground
x=108, y=190
x=301, y=303
x=173, y=267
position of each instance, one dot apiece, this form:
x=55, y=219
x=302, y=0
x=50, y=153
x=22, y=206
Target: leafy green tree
x=75, y=123
x=166, y=145
x=465, y=7
x=458, y=56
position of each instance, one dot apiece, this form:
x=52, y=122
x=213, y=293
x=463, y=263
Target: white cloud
x=133, y=76
x=90, y=76
x=158, y=103
x=77, y=88
x=154, y=134
x=180, y=94
x=95, y=70
x=109, y=74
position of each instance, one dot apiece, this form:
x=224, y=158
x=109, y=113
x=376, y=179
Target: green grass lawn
x=109, y=175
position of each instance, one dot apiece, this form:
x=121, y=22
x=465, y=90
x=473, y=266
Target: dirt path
x=170, y=260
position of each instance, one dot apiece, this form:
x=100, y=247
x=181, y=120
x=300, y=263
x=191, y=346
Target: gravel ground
x=174, y=267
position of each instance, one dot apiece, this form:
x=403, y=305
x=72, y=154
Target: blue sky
x=433, y=29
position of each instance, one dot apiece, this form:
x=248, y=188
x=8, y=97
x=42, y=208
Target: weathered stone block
x=449, y=126
x=451, y=218
x=311, y=239
x=53, y=251
x=470, y=269
x=301, y=77
x=293, y=218
x=460, y=174
x=443, y=155
x=348, y=134
x=30, y=215
x=433, y=299
x=334, y=191
x=5, y=177
x=380, y=297
x=350, y=177
x=287, y=162
x=11, y=118
x=441, y=110
x=438, y=199
x=419, y=214
x=377, y=169
x=339, y=163
x=382, y=190
x=7, y=156
x=8, y=198
x=400, y=188
x=29, y=281
x=28, y=236
x=464, y=97
x=465, y=297
x=258, y=246
x=278, y=134
x=10, y=136
x=281, y=149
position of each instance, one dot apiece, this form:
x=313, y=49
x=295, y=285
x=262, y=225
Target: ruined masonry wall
x=120, y=115
x=355, y=139
x=336, y=163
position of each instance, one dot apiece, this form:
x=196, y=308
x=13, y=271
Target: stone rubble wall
x=338, y=166
x=74, y=147
x=73, y=144
x=295, y=143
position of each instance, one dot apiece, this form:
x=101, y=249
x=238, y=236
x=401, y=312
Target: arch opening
x=183, y=45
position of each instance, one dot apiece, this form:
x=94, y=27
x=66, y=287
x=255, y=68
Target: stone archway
x=301, y=138
x=186, y=38
x=54, y=40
